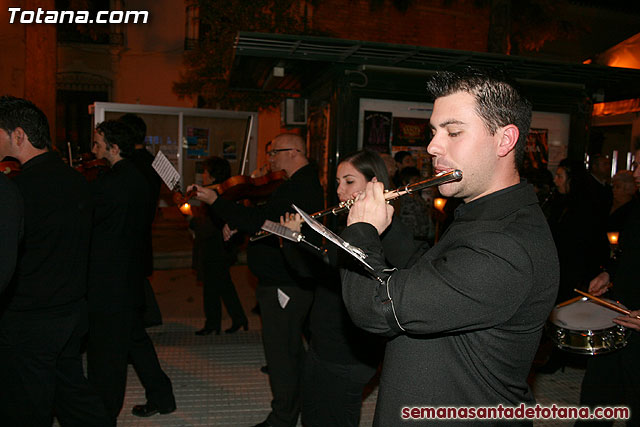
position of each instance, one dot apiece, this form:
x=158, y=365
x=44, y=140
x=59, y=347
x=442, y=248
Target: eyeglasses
x=272, y=153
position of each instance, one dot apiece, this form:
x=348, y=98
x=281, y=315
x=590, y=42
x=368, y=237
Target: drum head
x=584, y=315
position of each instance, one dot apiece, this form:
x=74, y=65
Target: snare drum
x=585, y=327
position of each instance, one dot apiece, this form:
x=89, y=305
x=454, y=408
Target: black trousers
x=41, y=370
x=332, y=392
x=217, y=285
x=614, y=380
x=114, y=338
x=283, y=349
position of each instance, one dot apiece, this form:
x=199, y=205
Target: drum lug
x=608, y=341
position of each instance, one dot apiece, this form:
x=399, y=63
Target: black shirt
x=11, y=228
x=473, y=306
x=264, y=256
x=121, y=220
x=143, y=159
x=52, y=265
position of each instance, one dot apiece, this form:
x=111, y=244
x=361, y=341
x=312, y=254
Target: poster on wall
x=229, y=150
x=377, y=131
x=420, y=155
x=537, y=148
x=409, y=131
x=169, y=147
x=318, y=140
x=197, y=142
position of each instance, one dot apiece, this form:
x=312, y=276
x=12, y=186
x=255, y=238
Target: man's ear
x=18, y=136
x=508, y=139
x=115, y=150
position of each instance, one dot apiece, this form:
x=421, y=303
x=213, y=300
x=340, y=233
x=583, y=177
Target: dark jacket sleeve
x=472, y=276
x=11, y=228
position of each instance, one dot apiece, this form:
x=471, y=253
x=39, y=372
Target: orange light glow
x=616, y=107
x=186, y=209
x=439, y=203
x=613, y=237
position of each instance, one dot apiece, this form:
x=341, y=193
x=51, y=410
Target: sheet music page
x=330, y=235
x=167, y=172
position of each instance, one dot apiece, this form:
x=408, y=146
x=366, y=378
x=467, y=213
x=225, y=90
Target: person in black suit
x=43, y=311
x=213, y=259
x=613, y=379
x=284, y=298
x=143, y=159
x=116, y=274
x=11, y=227
x=465, y=319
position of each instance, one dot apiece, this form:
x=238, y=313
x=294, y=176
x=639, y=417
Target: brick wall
x=461, y=25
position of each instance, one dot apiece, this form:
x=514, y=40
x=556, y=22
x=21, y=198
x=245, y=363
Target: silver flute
x=439, y=179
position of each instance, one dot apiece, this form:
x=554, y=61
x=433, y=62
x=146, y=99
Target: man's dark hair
x=498, y=102
x=137, y=125
x=218, y=168
x=117, y=133
x=20, y=113
x=577, y=178
x=400, y=155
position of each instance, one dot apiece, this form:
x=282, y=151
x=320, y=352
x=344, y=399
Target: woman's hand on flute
x=293, y=221
x=203, y=194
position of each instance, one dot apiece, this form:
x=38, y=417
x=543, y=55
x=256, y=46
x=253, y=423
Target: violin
x=240, y=187
x=91, y=167
x=10, y=168
x=245, y=187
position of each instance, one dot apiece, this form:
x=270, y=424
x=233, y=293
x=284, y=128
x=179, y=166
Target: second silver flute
x=441, y=178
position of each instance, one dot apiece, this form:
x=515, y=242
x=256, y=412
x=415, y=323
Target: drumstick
x=576, y=299
x=569, y=301
x=605, y=303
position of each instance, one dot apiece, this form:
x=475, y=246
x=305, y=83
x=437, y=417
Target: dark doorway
x=73, y=122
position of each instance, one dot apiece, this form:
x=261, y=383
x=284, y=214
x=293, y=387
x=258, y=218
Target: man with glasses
x=283, y=298
x=614, y=379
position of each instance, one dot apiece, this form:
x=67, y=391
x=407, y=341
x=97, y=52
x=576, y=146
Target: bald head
x=288, y=152
x=293, y=141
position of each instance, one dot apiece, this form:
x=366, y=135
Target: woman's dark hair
x=577, y=178
x=371, y=165
x=218, y=168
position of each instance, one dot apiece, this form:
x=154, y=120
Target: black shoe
x=149, y=409
x=237, y=326
x=264, y=369
x=265, y=423
x=207, y=331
